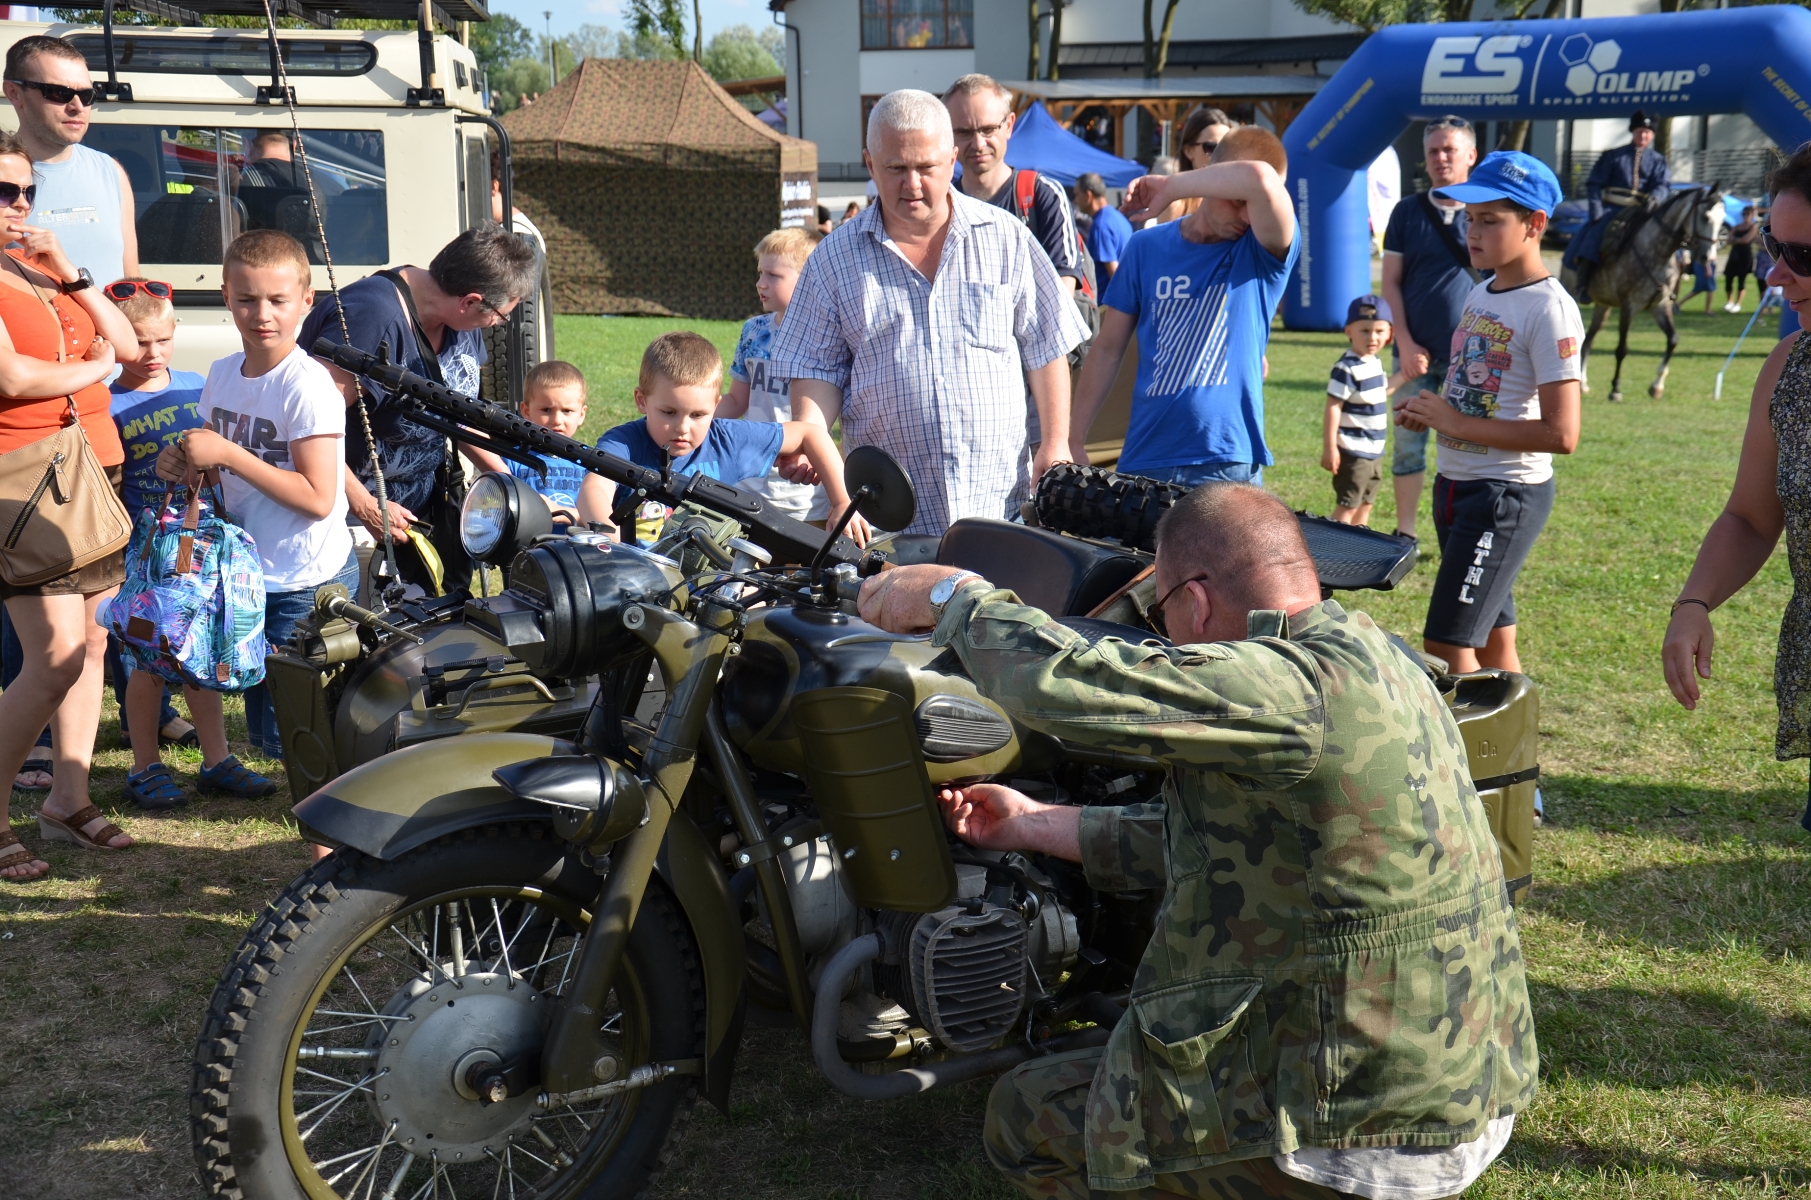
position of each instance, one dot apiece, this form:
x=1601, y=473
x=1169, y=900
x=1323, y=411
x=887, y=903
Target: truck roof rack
x=326, y=14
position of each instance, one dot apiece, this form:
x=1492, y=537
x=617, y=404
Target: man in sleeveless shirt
x=83, y=195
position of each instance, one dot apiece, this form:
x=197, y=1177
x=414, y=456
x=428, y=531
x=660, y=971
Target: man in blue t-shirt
x=1200, y=292
x=1108, y=229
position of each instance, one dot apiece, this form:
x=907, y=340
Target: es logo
x=1474, y=66
x=1591, y=70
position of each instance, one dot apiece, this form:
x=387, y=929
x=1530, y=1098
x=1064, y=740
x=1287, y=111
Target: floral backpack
x=192, y=607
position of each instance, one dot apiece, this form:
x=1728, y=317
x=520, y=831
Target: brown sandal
x=69, y=829
x=18, y=857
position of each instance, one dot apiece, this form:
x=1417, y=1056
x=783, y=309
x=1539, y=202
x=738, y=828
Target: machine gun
x=480, y=423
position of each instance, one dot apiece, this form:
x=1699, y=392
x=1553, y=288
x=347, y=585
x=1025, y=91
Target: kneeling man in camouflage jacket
x=1333, y=1001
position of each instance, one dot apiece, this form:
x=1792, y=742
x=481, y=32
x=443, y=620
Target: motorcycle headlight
x=501, y=516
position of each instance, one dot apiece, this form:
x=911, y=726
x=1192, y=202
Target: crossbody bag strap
x=1449, y=237
x=429, y=357
x=75, y=416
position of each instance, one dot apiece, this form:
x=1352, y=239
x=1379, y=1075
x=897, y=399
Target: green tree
x=658, y=21
x=500, y=41
x=1157, y=44
x=592, y=41
x=520, y=77
x=736, y=53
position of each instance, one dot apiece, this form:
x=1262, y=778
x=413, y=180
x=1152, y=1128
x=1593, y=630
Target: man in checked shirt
x=921, y=321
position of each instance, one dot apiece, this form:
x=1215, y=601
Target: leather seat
x=1064, y=576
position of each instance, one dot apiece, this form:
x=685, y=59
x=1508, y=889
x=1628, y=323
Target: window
x=179, y=175
x=154, y=54
x=917, y=24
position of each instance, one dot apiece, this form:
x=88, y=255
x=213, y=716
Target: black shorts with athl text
x=1485, y=528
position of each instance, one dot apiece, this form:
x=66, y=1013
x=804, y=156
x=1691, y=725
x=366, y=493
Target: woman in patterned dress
x=1772, y=493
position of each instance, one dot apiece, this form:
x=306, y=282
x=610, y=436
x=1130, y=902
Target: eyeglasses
x=10, y=193
x=125, y=289
x=56, y=93
x=1449, y=123
x=1157, y=617
x=975, y=131
x=1796, y=255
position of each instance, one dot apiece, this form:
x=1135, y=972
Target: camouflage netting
x=652, y=185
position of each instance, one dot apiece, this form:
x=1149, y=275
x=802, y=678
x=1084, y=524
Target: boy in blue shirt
x=153, y=407
x=1200, y=293
x=553, y=397
x=677, y=397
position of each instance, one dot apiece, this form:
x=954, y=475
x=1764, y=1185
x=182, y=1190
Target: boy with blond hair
x=153, y=407
x=274, y=426
x=553, y=397
x=754, y=391
x=677, y=397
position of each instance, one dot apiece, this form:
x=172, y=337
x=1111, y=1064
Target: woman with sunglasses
x=1201, y=135
x=1772, y=493
x=60, y=338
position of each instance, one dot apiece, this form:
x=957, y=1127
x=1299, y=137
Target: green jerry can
x=1499, y=717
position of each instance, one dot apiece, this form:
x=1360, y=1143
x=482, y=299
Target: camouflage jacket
x=1336, y=962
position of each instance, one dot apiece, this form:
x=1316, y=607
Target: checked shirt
x=932, y=371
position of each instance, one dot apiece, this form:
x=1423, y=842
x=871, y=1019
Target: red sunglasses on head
x=125, y=289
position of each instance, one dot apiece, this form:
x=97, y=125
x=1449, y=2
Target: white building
x=842, y=55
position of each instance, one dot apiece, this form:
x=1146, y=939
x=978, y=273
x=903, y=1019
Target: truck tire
x=537, y=344
x=261, y=1129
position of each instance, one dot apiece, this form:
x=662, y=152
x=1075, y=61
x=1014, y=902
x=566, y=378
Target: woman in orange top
x=47, y=305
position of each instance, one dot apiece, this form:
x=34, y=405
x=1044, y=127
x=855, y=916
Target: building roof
x=326, y=13
x=1187, y=87
x=668, y=114
x=1241, y=52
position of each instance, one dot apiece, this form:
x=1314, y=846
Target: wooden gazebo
x=1278, y=98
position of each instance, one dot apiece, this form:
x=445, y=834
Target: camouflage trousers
x=1034, y=1135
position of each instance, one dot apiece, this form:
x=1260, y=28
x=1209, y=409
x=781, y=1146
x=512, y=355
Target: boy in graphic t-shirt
x=1510, y=403
x=275, y=425
x=677, y=396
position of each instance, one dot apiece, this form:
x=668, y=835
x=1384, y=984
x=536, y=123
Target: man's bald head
x=1244, y=541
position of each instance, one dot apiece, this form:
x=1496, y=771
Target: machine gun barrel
x=788, y=540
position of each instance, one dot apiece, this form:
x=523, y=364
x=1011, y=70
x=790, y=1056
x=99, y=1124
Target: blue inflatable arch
x=1750, y=60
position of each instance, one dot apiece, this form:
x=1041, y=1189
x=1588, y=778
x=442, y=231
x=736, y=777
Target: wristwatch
x=945, y=588
x=82, y=280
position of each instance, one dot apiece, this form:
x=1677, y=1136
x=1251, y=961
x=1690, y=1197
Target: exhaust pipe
x=908, y=1081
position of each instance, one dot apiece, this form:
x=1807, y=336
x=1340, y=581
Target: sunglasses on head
x=56, y=93
x=10, y=193
x=1796, y=255
x=125, y=289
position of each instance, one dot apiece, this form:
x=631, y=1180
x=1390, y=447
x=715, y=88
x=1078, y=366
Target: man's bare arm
x=1267, y=204
x=1099, y=370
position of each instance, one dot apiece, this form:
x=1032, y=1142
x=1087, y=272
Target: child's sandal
x=234, y=778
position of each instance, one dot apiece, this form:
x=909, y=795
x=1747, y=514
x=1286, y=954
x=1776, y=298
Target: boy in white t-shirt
x=754, y=393
x=1510, y=403
x=275, y=425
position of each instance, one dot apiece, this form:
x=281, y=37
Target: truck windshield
x=197, y=188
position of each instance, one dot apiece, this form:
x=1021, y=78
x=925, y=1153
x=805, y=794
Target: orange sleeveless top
x=27, y=419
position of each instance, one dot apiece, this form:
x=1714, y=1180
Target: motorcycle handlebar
x=434, y=405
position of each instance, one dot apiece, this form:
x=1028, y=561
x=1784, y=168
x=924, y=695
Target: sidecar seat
x=1064, y=576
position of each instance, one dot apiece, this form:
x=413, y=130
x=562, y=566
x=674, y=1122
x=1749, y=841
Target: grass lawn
x=1667, y=937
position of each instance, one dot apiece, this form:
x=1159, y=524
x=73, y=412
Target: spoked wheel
x=378, y=1034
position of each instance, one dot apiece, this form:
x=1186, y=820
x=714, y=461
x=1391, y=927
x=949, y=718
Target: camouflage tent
x=652, y=186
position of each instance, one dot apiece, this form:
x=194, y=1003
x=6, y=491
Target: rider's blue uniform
x=1617, y=170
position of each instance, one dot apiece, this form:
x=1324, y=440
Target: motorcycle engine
x=960, y=972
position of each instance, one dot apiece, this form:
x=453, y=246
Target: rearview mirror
x=883, y=491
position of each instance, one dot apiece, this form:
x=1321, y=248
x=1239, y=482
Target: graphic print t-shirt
x=149, y=421
x=732, y=451
x=560, y=485
x=296, y=399
x=768, y=401
x=1203, y=313
x=1507, y=344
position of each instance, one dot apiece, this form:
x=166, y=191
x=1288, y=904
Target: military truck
x=396, y=126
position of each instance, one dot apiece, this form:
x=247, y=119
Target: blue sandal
x=234, y=778
x=155, y=789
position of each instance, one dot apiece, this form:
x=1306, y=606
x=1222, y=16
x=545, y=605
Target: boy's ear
x=641, y=401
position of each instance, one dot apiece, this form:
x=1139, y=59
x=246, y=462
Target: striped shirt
x=932, y=371
x=1361, y=385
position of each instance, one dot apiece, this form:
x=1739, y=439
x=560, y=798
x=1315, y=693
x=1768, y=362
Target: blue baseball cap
x=1508, y=175
x=1369, y=308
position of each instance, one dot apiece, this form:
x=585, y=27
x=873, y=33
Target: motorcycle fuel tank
x=787, y=653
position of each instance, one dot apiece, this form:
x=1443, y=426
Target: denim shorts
x=282, y=612
x=1207, y=473
x=1485, y=528
x=1409, y=454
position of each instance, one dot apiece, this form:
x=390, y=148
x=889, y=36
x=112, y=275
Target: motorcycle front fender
x=407, y=798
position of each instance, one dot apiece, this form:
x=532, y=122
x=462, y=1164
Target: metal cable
x=320, y=225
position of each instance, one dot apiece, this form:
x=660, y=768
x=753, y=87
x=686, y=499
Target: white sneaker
x=1732, y=307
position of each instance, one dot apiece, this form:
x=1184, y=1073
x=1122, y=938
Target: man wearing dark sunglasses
x=1317, y=843
x=83, y=196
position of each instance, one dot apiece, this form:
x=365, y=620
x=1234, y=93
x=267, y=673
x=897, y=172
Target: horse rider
x=1631, y=176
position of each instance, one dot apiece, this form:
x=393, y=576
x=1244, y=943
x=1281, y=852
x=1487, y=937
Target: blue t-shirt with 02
x=561, y=483
x=149, y=421
x=1203, y=311
x=732, y=451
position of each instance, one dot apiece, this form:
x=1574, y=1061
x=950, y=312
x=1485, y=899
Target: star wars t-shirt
x=1506, y=345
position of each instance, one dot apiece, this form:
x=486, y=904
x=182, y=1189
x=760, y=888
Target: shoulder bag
x=58, y=510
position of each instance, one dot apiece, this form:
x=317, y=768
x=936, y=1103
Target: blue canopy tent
x=1039, y=143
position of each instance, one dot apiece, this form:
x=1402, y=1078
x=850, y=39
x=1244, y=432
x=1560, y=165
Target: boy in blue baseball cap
x=1509, y=404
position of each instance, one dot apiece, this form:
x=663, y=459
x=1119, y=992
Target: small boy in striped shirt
x=1358, y=410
